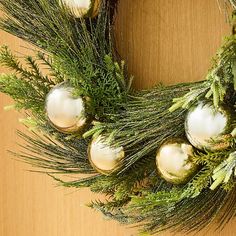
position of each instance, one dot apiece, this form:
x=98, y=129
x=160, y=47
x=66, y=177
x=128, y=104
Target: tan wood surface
x=165, y=41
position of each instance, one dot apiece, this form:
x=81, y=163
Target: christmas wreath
x=165, y=158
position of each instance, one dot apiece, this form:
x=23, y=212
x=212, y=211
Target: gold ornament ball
x=204, y=125
x=83, y=8
x=103, y=157
x=174, y=161
x=65, y=112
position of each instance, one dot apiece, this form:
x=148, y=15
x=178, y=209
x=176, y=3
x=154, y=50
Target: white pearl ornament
x=204, y=124
x=103, y=157
x=82, y=8
x=65, y=112
x=174, y=162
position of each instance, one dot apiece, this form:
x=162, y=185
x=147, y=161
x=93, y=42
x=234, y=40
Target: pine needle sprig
x=119, y=188
x=145, y=123
x=28, y=86
x=81, y=52
x=157, y=212
x=219, y=81
x=224, y=171
x=48, y=64
x=170, y=211
x=57, y=155
x=164, y=209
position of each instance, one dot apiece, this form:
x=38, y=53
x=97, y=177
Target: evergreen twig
x=81, y=51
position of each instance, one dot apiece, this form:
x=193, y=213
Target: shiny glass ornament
x=204, y=125
x=174, y=161
x=103, y=157
x=83, y=8
x=65, y=112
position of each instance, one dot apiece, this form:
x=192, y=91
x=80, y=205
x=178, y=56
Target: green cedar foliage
x=27, y=86
x=81, y=52
x=81, y=49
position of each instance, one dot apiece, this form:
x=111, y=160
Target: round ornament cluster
x=204, y=125
x=103, y=157
x=83, y=8
x=174, y=161
x=65, y=112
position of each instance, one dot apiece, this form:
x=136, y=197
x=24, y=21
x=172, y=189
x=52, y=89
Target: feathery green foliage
x=81, y=49
x=81, y=52
x=223, y=172
x=145, y=123
x=28, y=86
x=56, y=154
x=219, y=81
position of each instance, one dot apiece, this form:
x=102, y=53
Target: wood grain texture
x=165, y=41
x=169, y=41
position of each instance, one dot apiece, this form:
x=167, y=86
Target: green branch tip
x=224, y=171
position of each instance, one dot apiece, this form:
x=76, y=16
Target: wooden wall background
x=165, y=41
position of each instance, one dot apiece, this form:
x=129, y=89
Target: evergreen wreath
x=166, y=157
